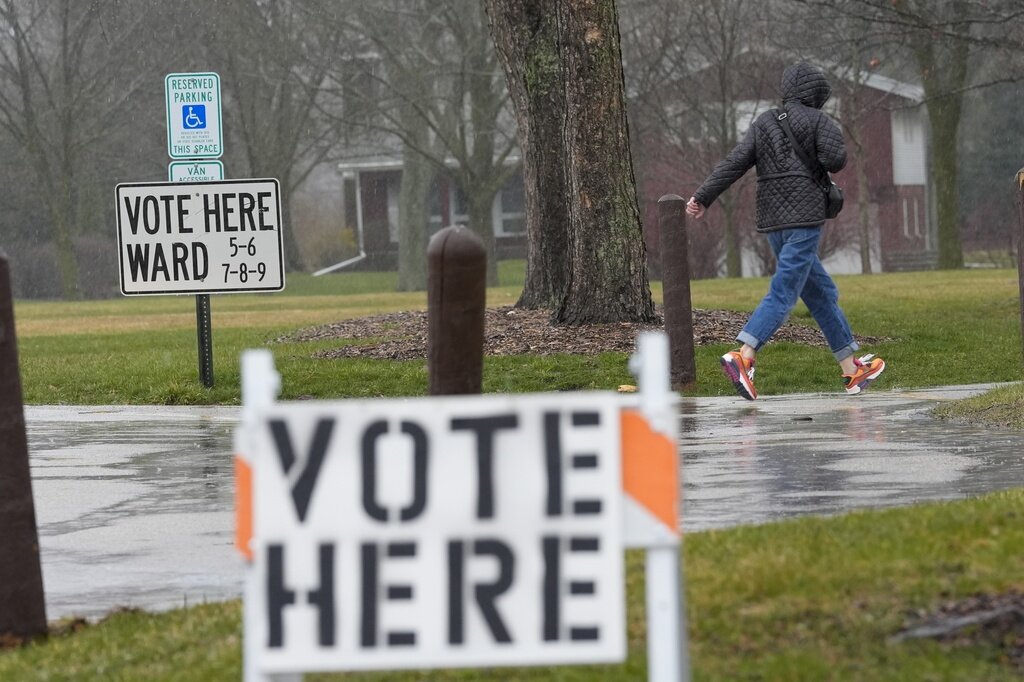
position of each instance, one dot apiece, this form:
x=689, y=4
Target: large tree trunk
x=574, y=46
x=481, y=222
x=609, y=268
x=945, y=119
x=944, y=73
x=526, y=38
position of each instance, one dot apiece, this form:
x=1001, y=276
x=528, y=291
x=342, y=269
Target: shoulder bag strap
x=812, y=165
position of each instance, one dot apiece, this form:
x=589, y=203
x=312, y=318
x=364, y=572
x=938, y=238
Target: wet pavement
x=134, y=504
x=755, y=462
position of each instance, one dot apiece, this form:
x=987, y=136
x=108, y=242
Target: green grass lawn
x=1002, y=407
x=808, y=599
x=946, y=327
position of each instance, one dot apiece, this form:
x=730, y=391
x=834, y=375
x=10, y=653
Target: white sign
x=440, y=532
x=195, y=171
x=193, y=238
x=193, y=116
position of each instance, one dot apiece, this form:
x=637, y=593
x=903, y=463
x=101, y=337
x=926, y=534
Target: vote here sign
x=199, y=237
x=442, y=532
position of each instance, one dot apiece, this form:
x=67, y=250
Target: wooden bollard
x=22, y=606
x=456, y=295
x=675, y=281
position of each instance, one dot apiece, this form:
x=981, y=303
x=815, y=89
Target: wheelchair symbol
x=194, y=116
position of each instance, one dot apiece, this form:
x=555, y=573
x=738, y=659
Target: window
x=908, y=147
x=435, y=208
x=458, y=205
x=510, y=208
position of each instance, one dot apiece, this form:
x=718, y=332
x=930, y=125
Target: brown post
x=1019, y=182
x=22, y=607
x=456, y=291
x=675, y=281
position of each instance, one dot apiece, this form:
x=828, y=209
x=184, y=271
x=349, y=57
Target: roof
x=877, y=81
x=871, y=79
x=392, y=162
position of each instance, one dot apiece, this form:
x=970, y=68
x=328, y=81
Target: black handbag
x=833, y=192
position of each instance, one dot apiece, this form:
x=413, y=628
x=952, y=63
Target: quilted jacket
x=787, y=194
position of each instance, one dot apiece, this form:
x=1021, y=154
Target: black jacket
x=787, y=195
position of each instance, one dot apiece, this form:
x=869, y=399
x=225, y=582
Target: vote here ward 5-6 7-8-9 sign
x=199, y=237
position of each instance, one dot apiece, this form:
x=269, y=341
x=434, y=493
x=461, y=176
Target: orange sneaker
x=740, y=373
x=868, y=369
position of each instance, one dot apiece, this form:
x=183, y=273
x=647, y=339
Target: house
x=370, y=186
x=897, y=214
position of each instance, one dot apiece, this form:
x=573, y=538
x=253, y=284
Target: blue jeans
x=799, y=273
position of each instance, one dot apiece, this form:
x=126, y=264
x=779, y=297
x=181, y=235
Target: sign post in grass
x=458, y=531
x=200, y=238
x=675, y=281
x=22, y=607
x=194, y=133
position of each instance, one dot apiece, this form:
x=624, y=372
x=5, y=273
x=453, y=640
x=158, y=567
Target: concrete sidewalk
x=134, y=504
x=776, y=457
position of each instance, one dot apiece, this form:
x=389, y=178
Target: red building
x=885, y=116
x=888, y=120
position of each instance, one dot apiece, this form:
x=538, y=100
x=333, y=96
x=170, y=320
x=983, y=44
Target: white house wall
x=908, y=147
x=393, y=189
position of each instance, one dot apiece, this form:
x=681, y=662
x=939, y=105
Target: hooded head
x=805, y=83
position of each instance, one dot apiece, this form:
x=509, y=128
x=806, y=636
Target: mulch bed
x=514, y=331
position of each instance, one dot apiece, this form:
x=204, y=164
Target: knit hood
x=805, y=83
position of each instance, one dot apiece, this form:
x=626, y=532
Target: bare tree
x=439, y=89
x=698, y=79
x=940, y=36
x=274, y=59
x=68, y=71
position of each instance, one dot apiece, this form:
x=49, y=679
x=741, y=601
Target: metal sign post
x=194, y=132
x=204, y=338
x=200, y=171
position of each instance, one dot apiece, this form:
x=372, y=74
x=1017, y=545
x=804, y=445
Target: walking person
x=791, y=212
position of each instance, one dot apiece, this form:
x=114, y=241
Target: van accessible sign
x=193, y=116
x=441, y=532
x=199, y=237
x=195, y=171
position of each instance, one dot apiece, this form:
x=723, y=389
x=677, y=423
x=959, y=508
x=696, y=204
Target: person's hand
x=694, y=209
